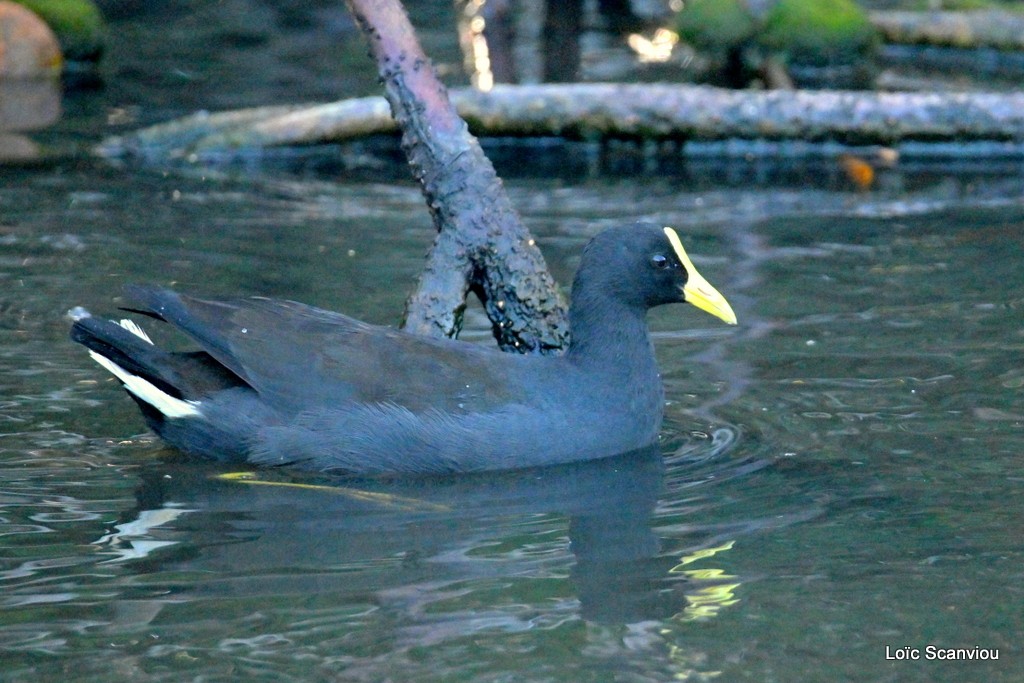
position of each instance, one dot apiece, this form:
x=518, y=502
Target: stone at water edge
x=30, y=67
x=28, y=48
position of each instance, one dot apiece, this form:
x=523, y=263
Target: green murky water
x=839, y=475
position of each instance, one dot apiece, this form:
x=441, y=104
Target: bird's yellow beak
x=697, y=290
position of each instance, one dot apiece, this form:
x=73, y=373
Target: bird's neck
x=609, y=334
x=611, y=347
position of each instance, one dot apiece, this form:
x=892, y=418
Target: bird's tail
x=150, y=375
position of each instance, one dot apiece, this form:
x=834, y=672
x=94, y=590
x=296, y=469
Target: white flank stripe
x=162, y=401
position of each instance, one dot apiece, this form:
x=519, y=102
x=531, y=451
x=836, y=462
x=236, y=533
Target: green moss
x=715, y=25
x=818, y=31
x=78, y=25
x=969, y=5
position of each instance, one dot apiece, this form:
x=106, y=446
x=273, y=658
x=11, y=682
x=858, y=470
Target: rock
x=30, y=65
x=29, y=103
x=17, y=149
x=28, y=48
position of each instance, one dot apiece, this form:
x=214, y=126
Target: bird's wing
x=298, y=357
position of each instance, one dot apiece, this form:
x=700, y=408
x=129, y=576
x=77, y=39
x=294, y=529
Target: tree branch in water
x=482, y=245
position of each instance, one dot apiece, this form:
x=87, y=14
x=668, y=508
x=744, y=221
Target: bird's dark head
x=643, y=266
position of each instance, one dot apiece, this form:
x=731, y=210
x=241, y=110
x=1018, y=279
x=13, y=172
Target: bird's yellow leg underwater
x=383, y=499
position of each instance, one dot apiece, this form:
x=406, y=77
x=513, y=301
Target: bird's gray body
x=280, y=383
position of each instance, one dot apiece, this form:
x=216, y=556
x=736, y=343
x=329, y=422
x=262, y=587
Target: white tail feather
x=145, y=390
x=134, y=328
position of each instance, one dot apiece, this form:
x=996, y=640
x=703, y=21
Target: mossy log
x=596, y=111
x=980, y=28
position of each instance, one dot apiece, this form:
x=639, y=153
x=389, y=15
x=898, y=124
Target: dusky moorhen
x=281, y=383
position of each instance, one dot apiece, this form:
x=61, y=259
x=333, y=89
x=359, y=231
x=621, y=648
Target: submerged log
x=482, y=245
x=596, y=111
x=980, y=28
x=696, y=112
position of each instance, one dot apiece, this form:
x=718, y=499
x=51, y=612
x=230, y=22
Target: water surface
x=837, y=475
